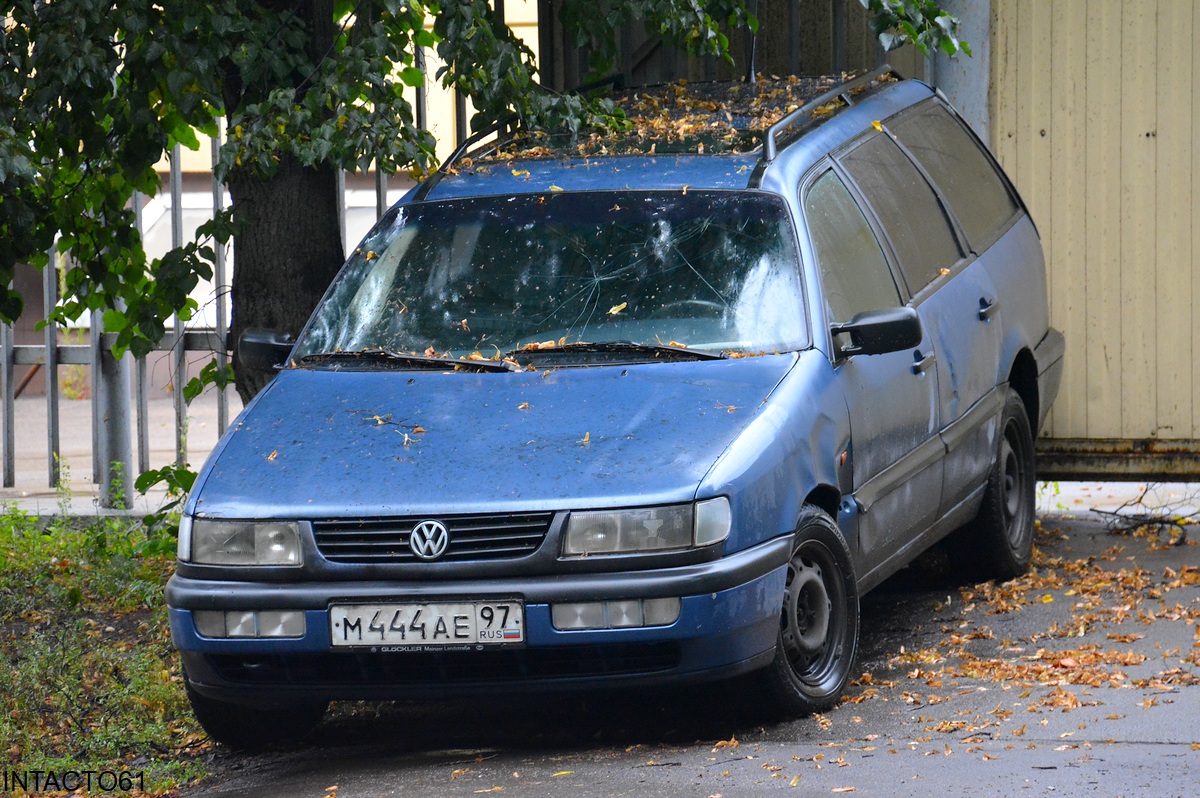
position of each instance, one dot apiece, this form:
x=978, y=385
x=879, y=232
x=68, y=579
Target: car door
x=954, y=297
x=980, y=203
x=892, y=398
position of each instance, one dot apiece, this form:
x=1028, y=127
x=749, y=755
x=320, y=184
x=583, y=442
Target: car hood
x=321, y=444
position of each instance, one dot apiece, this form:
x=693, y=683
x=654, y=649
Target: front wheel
x=818, y=625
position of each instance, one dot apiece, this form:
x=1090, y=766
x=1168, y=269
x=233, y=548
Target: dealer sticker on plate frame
x=428, y=626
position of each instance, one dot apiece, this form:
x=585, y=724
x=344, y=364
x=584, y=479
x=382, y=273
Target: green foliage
x=211, y=374
x=93, y=93
x=162, y=526
x=88, y=674
x=922, y=22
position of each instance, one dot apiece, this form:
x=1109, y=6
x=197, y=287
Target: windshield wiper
x=611, y=352
x=404, y=360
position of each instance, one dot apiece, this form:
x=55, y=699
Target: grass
x=86, y=665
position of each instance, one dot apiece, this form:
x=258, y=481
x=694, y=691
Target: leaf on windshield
x=555, y=189
x=615, y=309
x=586, y=439
x=523, y=406
x=521, y=173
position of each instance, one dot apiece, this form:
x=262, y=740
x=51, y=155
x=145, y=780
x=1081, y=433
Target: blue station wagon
x=629, y=413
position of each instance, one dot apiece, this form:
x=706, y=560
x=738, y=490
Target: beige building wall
x=1094, y=114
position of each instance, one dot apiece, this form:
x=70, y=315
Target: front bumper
x=728, y=623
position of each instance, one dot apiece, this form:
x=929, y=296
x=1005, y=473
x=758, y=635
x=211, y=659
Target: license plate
x=433, y=625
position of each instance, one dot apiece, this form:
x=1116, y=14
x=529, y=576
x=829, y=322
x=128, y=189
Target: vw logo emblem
x=429, y=540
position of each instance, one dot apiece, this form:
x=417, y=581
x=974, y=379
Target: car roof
x=773, y=158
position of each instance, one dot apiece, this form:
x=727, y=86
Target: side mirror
x=264, y=350
x=877, y=332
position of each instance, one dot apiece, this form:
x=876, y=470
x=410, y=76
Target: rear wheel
x=818, y=625
x=253, y=728
x=998, y=543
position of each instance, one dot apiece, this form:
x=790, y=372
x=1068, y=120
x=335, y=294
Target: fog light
x=239, y=624
x=249, y=624
x=661, y=611
x=624, y=614
x=209, y=623
x=589, y=615
x=616, y=614
x=281, y=623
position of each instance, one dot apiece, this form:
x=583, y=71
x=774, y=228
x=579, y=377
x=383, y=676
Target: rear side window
x=854, y=271
x=977, y=195
x=907, y=208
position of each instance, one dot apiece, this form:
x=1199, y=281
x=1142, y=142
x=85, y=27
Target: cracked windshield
x=499, y=277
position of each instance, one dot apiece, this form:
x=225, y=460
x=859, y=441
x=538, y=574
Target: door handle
x=923, y=362
x=988, y=307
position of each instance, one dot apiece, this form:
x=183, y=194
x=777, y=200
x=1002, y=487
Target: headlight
x=212, y=542
x=671, y=528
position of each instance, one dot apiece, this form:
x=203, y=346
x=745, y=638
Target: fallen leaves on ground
x=1054, y=670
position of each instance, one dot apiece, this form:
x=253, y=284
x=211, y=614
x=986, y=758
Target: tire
x=254, y=728
x=818, y=625
x=998, y=543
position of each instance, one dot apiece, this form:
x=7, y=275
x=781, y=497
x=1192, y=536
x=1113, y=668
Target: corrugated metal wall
x=1093, y=113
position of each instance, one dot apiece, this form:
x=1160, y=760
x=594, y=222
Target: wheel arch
x=1023, y=379
x=825, y=496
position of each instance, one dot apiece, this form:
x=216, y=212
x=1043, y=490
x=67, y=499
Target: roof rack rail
x=501, y=129
x=504, y=129
x=845, y=92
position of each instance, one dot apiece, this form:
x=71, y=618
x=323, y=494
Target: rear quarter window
x=978, y=196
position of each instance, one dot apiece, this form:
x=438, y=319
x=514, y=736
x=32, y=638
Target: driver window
x=854, y=271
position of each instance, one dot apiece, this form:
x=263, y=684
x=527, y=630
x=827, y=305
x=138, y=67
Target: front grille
x=451, y=667
x=472, y=537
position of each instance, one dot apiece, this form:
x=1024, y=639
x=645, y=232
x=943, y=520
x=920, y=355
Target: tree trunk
x=287, y=250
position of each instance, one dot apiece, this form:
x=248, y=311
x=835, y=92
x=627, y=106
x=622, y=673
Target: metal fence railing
x=120, y=386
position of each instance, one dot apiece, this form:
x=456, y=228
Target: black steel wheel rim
x=1014, y=484
x=814, y=618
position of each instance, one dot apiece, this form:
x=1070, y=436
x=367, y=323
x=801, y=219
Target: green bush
x=87, y=668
